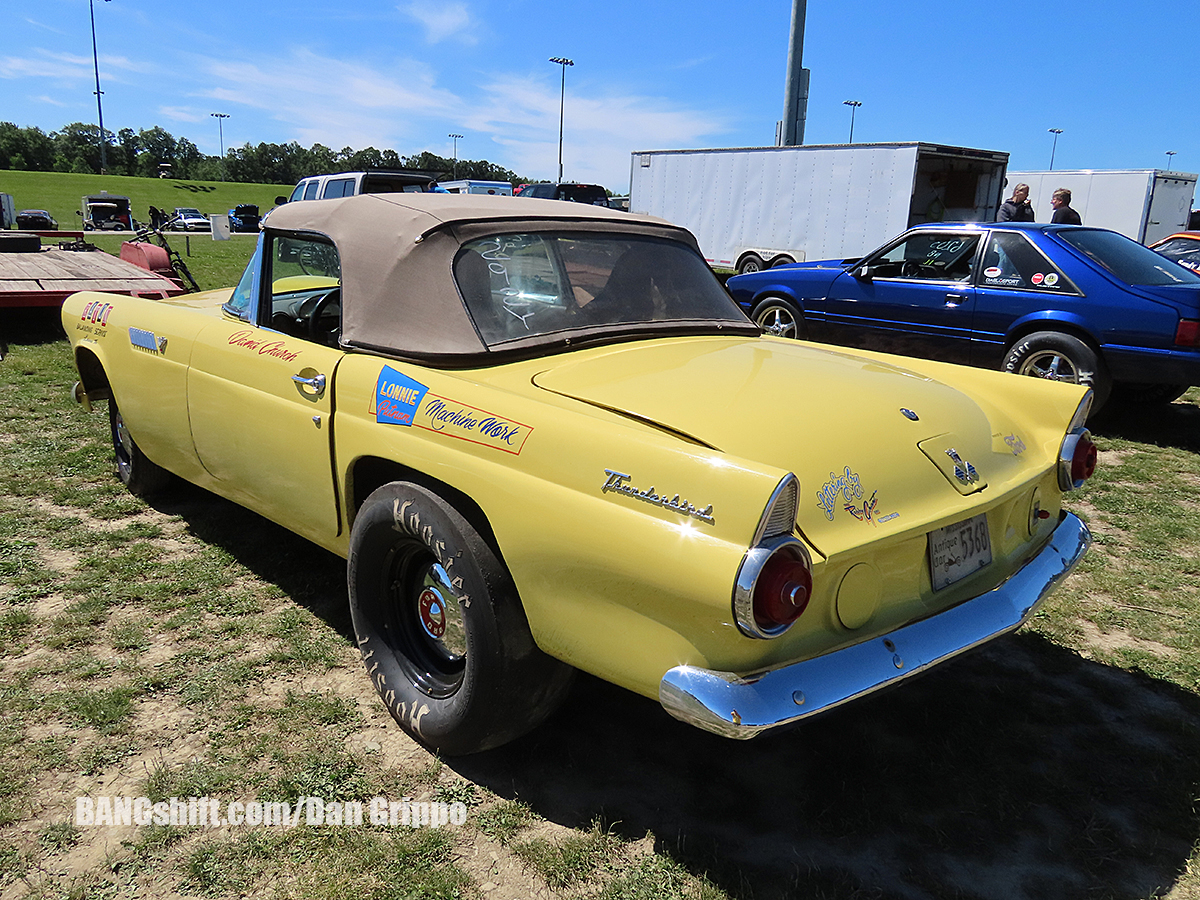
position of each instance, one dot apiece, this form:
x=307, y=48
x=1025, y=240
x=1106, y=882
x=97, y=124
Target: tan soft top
x=397, y=252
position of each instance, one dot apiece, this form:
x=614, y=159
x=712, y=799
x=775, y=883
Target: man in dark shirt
x=1063, y=214
x=1016, y=208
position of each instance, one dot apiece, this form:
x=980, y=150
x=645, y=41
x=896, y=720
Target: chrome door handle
x=317, y=382
x=955, y=299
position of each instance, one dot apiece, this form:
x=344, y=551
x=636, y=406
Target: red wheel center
x=433, y=613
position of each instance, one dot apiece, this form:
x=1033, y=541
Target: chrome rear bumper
x=740, y=707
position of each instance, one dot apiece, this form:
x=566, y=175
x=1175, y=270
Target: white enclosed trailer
x=761, y=206
x=1144, y=204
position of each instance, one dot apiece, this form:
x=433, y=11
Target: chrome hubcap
x=1050, y=365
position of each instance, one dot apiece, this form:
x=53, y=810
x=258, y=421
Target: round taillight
x=782, y=590
x=1076, y=459
x=1083, y=461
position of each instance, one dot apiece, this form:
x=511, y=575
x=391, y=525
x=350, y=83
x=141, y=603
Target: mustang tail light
x=1077, y=454
x=774, y=583
x=1187, y=333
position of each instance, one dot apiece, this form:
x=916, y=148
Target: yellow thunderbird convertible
x=546, y=439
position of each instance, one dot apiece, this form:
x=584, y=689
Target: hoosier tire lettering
x=440, y=626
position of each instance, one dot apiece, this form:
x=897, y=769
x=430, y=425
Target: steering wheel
x=910, y=269
x=324, y=334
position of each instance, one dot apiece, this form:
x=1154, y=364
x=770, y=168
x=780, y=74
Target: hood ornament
x=909, y=414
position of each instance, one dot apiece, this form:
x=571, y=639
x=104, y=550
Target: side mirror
x=863, y=273
x=279, y=201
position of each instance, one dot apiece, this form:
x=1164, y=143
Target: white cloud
x=442, y=20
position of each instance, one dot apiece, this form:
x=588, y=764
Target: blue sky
x=647, y=76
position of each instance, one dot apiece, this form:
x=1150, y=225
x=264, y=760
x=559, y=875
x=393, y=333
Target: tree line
x=148, y=152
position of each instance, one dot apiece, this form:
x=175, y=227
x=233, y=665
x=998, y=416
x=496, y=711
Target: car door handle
x=955, y=299
x=317, y=383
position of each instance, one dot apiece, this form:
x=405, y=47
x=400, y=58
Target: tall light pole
x=221, y=133
x=99, y=109
x=1170, y=153
x=456, y=137
x=564, y=62
x=854, y=105
x=1056, y=132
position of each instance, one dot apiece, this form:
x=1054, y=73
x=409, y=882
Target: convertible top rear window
x=518, y=286
x=1127, y=259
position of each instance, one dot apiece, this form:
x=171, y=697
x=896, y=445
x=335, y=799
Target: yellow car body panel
x=624, y=482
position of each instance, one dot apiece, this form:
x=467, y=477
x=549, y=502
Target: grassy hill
x=60, y=192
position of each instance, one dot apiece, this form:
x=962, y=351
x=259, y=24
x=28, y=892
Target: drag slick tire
x=775, y=315
x=441, y=628
x=1060, y=357
x=143, y=477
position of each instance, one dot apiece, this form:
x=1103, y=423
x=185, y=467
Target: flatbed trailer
x=47, y=277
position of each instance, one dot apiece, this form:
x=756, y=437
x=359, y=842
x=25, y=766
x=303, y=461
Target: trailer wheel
x=781, y=260
x=751, y=262
x=775, y=315
x=19, y=242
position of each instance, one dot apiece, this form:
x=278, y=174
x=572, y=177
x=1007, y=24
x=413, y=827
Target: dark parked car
x=36, y=220
x=577, y=193
x=1069, y=303
x=244, y=217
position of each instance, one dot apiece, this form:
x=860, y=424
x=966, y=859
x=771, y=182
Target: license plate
x=958, y=550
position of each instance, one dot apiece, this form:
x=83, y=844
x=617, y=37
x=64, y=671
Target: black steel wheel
x=441, y=628
x=135, y=470
x=751, y=262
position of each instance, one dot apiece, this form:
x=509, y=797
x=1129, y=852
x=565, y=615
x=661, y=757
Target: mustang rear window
x=1127, y=259
x=518, y=286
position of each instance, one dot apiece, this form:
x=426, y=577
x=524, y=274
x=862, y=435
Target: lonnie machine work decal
x=397, y=397
x=616, y=482
x=399, y=400
x=849, y=487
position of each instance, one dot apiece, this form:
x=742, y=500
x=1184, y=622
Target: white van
x=374, y=181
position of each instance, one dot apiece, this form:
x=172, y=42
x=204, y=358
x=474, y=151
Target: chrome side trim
x=742, y=707
x=779, y=515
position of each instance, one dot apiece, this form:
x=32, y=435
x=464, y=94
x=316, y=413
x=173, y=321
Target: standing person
x=1063, y=214
x=1017, y=207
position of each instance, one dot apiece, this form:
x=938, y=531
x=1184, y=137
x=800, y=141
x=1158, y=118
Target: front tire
x=1060, y=357
x=441, y=628
x=143, y=477
x=780, y=317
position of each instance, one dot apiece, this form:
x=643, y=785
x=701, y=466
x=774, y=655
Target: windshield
x=1127, y=259
x=518, y=286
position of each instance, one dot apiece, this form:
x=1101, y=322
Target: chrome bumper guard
x=743, y=707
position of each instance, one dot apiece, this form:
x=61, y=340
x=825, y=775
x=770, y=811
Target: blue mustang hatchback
x=1055, y=301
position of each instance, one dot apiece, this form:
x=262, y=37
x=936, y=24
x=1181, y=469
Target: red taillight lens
x=1083, y=460
x=1187, y=333
x=782, y=591
x=1076, y=460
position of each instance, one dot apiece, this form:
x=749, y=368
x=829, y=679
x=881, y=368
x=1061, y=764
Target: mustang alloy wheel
x=1060, y=357
x=136, y=472
x=440, y=626
x=775, y=315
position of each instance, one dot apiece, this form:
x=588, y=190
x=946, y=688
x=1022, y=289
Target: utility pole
x=795, y=93
x=99, y=109
x=220, y=117
x=564, y=62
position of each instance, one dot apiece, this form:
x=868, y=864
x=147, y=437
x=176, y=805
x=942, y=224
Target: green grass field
x=60, y=193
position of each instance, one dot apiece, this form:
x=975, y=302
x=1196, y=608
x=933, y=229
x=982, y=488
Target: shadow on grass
x=1165, y=425
x=1019, y=771
x=1022, y=770
x=27, y=326
x=311, y=576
